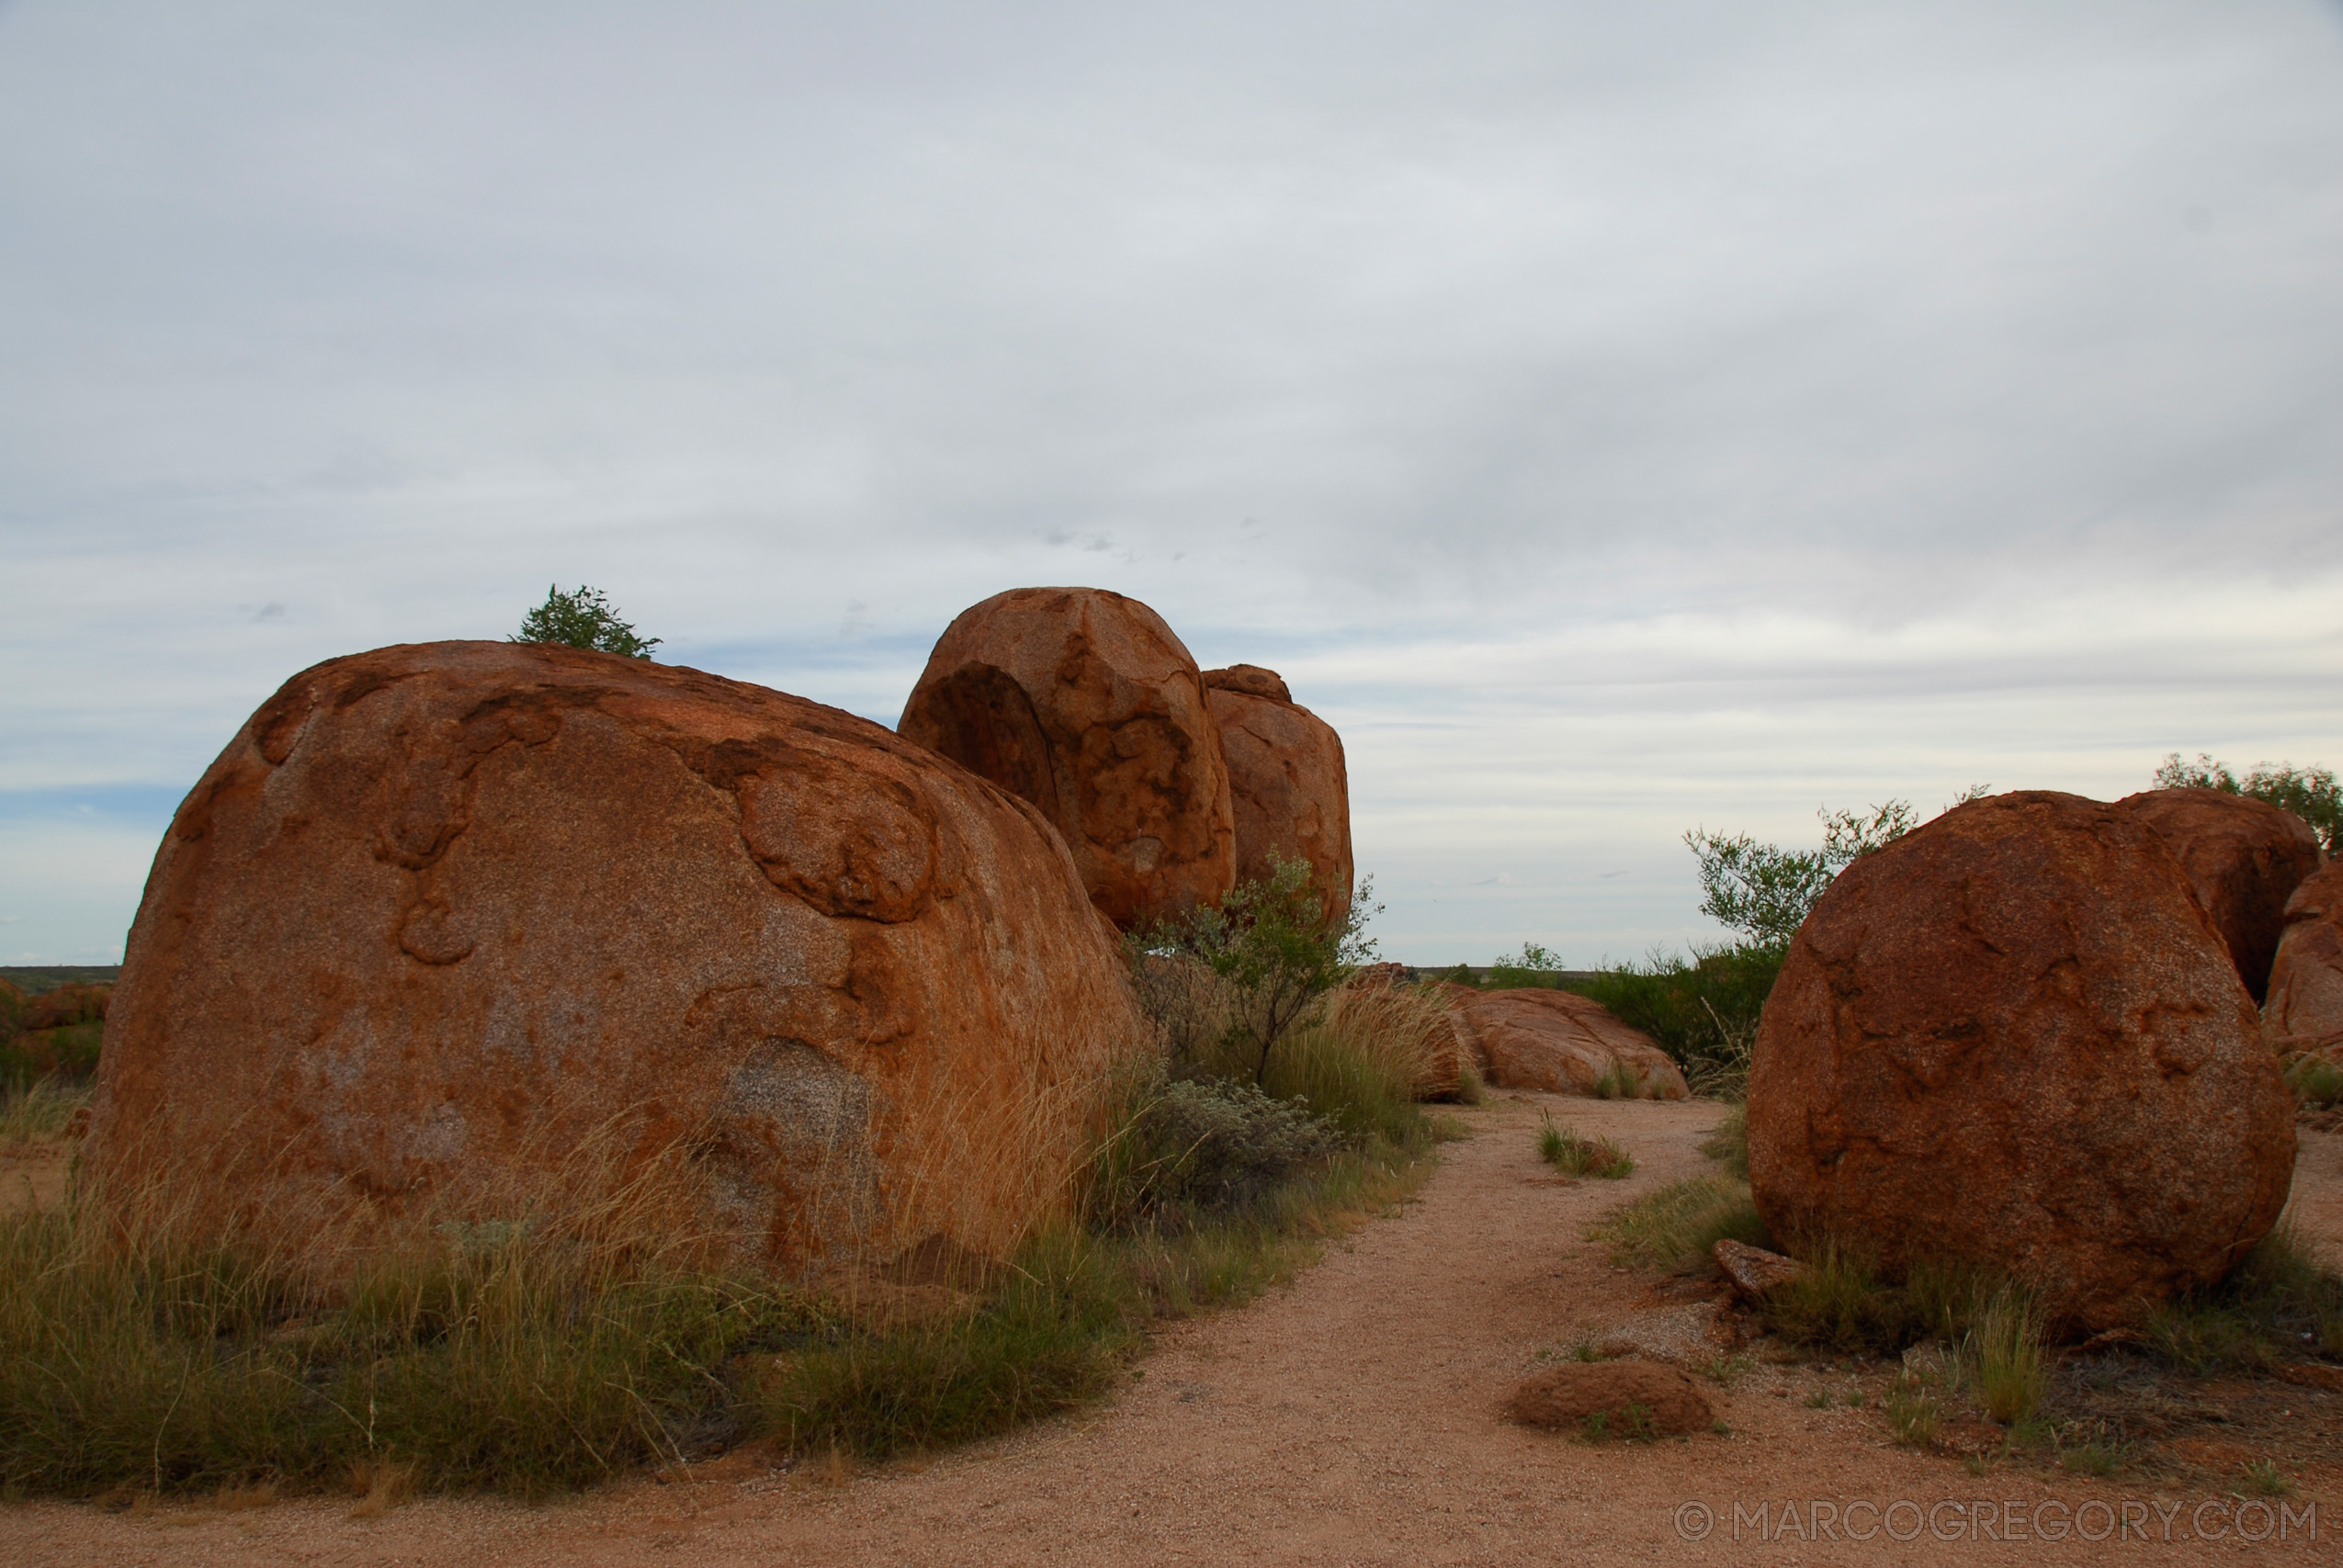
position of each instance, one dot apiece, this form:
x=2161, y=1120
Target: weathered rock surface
x=1754, y=1272
x=2305, y=1007
x=2244, y=858
x=445, y=920
x=1564, y=1043
x=1288, y=786
x=2013, y=1039
x=1636, y=1398
x=1083, y=703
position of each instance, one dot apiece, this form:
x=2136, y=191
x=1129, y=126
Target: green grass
x=2279, y=1305
x=42, y=1109
x=1675, y=1226
x=539, y=1354
x=1730, y=1145
x=537, y=1365
x=1574, y=1154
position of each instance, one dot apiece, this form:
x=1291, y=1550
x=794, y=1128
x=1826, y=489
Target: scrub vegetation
x=571, y=1340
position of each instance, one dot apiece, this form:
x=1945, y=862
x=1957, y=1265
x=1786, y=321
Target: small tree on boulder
x=583, y=619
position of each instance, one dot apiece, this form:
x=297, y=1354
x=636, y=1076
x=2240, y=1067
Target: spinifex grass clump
x=41, y=1109
x=1574, y=1154
x=2315, y=1080
x=1676, y=1226
x=545, y=1352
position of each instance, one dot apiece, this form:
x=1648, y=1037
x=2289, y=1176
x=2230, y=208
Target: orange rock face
x=2305, y=1007
x=2013, y=1039
x=442, y=916
x=2245, y=857
x=1564, y=1043
x=1286, y=781
x=1084, y=702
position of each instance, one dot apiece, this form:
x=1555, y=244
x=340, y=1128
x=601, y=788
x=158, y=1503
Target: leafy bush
x=1766, y=891
x=1702, y=1011
x=2311, y=793
x=583, y=619
x=1209, y=1146
x=1273, y=951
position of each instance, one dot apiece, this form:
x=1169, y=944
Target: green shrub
x=1574, y=1154
x=2315, y=1080
x=583, y=619
x=1208, y=1145
x=1702, y=1011
x=2311, y=793
x=1273, y=951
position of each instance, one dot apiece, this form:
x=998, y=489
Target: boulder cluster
x=451, y=926
x=2024, y=1038
x=1170, y=784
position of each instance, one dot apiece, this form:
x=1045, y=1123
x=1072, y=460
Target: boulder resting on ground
x=1083, y=703
x=1564, y=1043
x=1635, y=1399
x=2305, y=1007
x=1288, y=786
x=2013, y=1039
x=454, y=930
x=2244, y=858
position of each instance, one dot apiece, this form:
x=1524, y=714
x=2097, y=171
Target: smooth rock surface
x=1626, y=1392
x=1288, y=784
x=2245, y=857
x=1083, y=703
x=2013, y=1039
x=2305, y=1007
x=1563, y=1042
x=454, y=927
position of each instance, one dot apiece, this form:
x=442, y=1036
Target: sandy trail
x=1349, y=1419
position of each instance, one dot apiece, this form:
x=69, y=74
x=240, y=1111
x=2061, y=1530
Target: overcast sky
x=1613, y=417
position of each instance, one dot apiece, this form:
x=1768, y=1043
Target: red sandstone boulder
x=1564, y=1043
x=1084, y=702
x=1287, y=782
x=2305, y=1007
x=2013, y=1039
x=1611, y=1400
x=442, y=919
x=2244, y=858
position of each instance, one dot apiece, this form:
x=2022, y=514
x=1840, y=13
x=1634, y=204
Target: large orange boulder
x=2013, y=1039
x=454, y=927
x=1085, y=703
x=2245, y=857
x=2305, y=1007
x=1288, y=784
x=1564, y=1043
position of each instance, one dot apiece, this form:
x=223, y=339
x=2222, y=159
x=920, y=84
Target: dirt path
x=1352, y=1418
